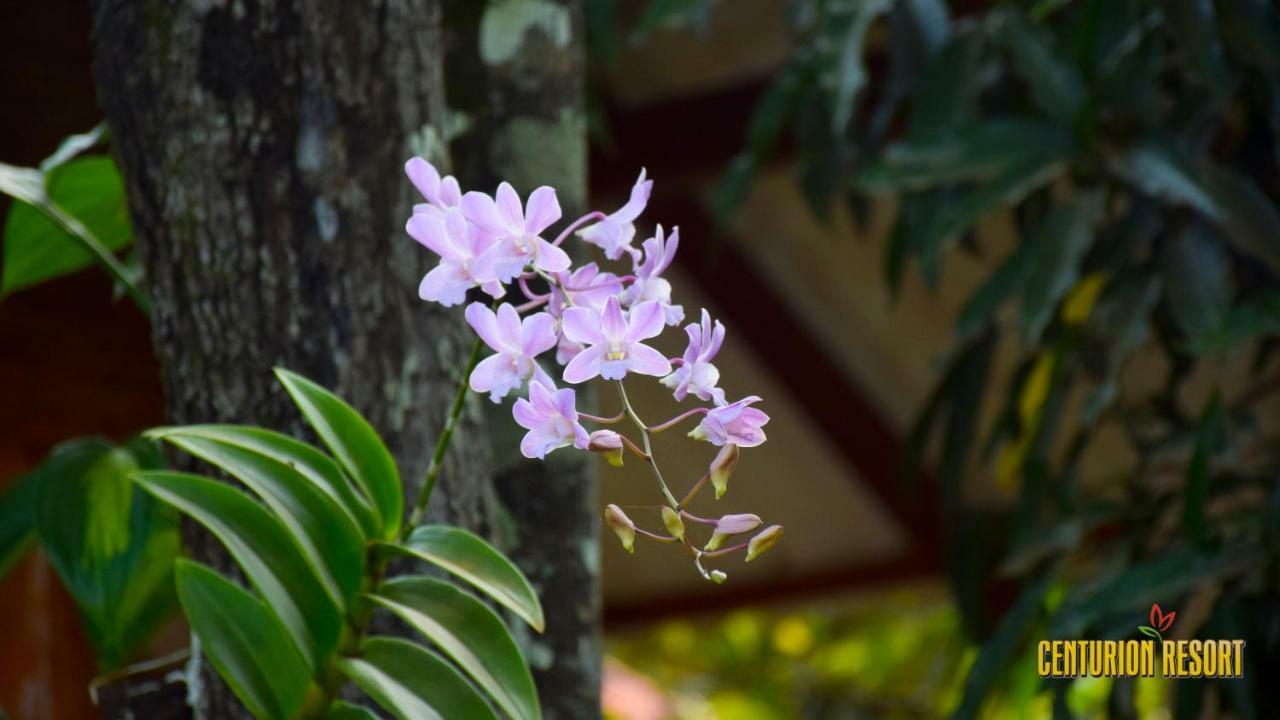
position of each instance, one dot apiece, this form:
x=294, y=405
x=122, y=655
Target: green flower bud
x=722, y=467
x=621, y=526
x=674, y=524
x=718, y=577
x=731, y=525
x=763, y=541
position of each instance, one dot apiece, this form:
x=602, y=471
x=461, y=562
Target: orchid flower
x=551, y=417
x=516, y=343
x=615, y=232
x=585, y=287
x=649, y=285
x=442, y=193
x=517, y=230
x=458, y=244
x=696, y=374
x=736, y=423
x=614, y=343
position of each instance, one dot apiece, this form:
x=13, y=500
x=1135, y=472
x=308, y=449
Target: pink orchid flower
x=551, y=417
x=697, y=375
x=736, y=423
x=516, y=344
x=442, y=193
x=458, y=244
x=517, y=230
x=585, y=286
x=649, y=285
x=614, y=343
x=615, y=232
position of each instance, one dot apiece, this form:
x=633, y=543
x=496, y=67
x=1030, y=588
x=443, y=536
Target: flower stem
x=694, y=490
x=442, y=443
x=648, y=446
x=678, y=419
x=597, y=216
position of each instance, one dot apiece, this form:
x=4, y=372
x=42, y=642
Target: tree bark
x=262, y=143
x=515, y=79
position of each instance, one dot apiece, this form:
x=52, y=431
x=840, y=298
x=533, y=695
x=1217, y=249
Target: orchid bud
x=609, y=444
x=763, y=541
x=718, y=576
x=732, y=525
x=621, y=526
x=674, y=524
x=722, y=467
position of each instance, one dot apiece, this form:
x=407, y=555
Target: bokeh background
x=1071, y=348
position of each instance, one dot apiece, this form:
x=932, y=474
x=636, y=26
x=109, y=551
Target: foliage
x=111, y=544
x=901, y=654
x=67, y=214
x=313, y=533
x=1134, y=145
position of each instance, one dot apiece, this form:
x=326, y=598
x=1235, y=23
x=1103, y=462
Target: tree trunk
x=515, y=74
x=262, y=144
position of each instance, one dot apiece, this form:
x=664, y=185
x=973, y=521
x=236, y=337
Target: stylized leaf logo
x=1160, y=623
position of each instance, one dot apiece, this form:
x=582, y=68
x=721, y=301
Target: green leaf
x=327, y=537
x=245, y=642
x=264, y=549
x=1001, y=647
x=354, y=444
x=1255, y=317
x=1197, y=282
x=112, y=546
x=1248, y=215
x=38, y=248
x=1159, y=172
x=957, y=217
x=995, y=291
x=669, y=13
x=948, y=91
x=1149, y=631
x=412, y=683
x=18, y=520
x=347, y=711
x=469, y=633
x=968, y=381
x=849, y=76
x=1193, y=25
x=1056, y=249
x=1208, y=437
x=74, y=145
x=317, y=467
x=471, y=558
x=1055, y=84
x=974, y=152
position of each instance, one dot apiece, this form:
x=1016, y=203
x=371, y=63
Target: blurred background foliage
x=1132, y=146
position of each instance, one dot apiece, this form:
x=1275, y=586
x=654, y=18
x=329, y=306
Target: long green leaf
x=1054, y=82
x=1208, y=436
x=112, y=545
x=413, y=683
x=354, y=444
x=1057, y=247
x=469, y=633
x=327, y=537
x=471, y=558
x=1197, y=282
x=18, y=520
x=263, y=548
x=347, y=711
x=245, y=643
x=317, y=467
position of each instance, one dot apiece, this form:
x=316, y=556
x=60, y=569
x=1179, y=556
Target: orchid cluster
x=599, y=323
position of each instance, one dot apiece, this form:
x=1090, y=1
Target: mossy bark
x=262, y=143
x=515, y=79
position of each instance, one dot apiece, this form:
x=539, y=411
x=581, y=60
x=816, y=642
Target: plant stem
x=442, y=443
x=678, y=419
x=694, y=490
x=648, y=446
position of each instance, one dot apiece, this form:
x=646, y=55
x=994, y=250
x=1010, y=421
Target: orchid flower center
x=617, y=351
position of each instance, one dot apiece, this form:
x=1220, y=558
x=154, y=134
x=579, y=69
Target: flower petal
x=525, y=415
x=424, y=177
x=551, y=258
x=541, y=210
x=645, y=320
x=446, y=284
x=430, y=232
x=585, y=365
x=612, y=325
x=537, y=334
x=509, y=209
x=485, y=323
x=582, y=325
x=493, y=374
x=509, y=327
x=645, y=360
x=481, y=210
